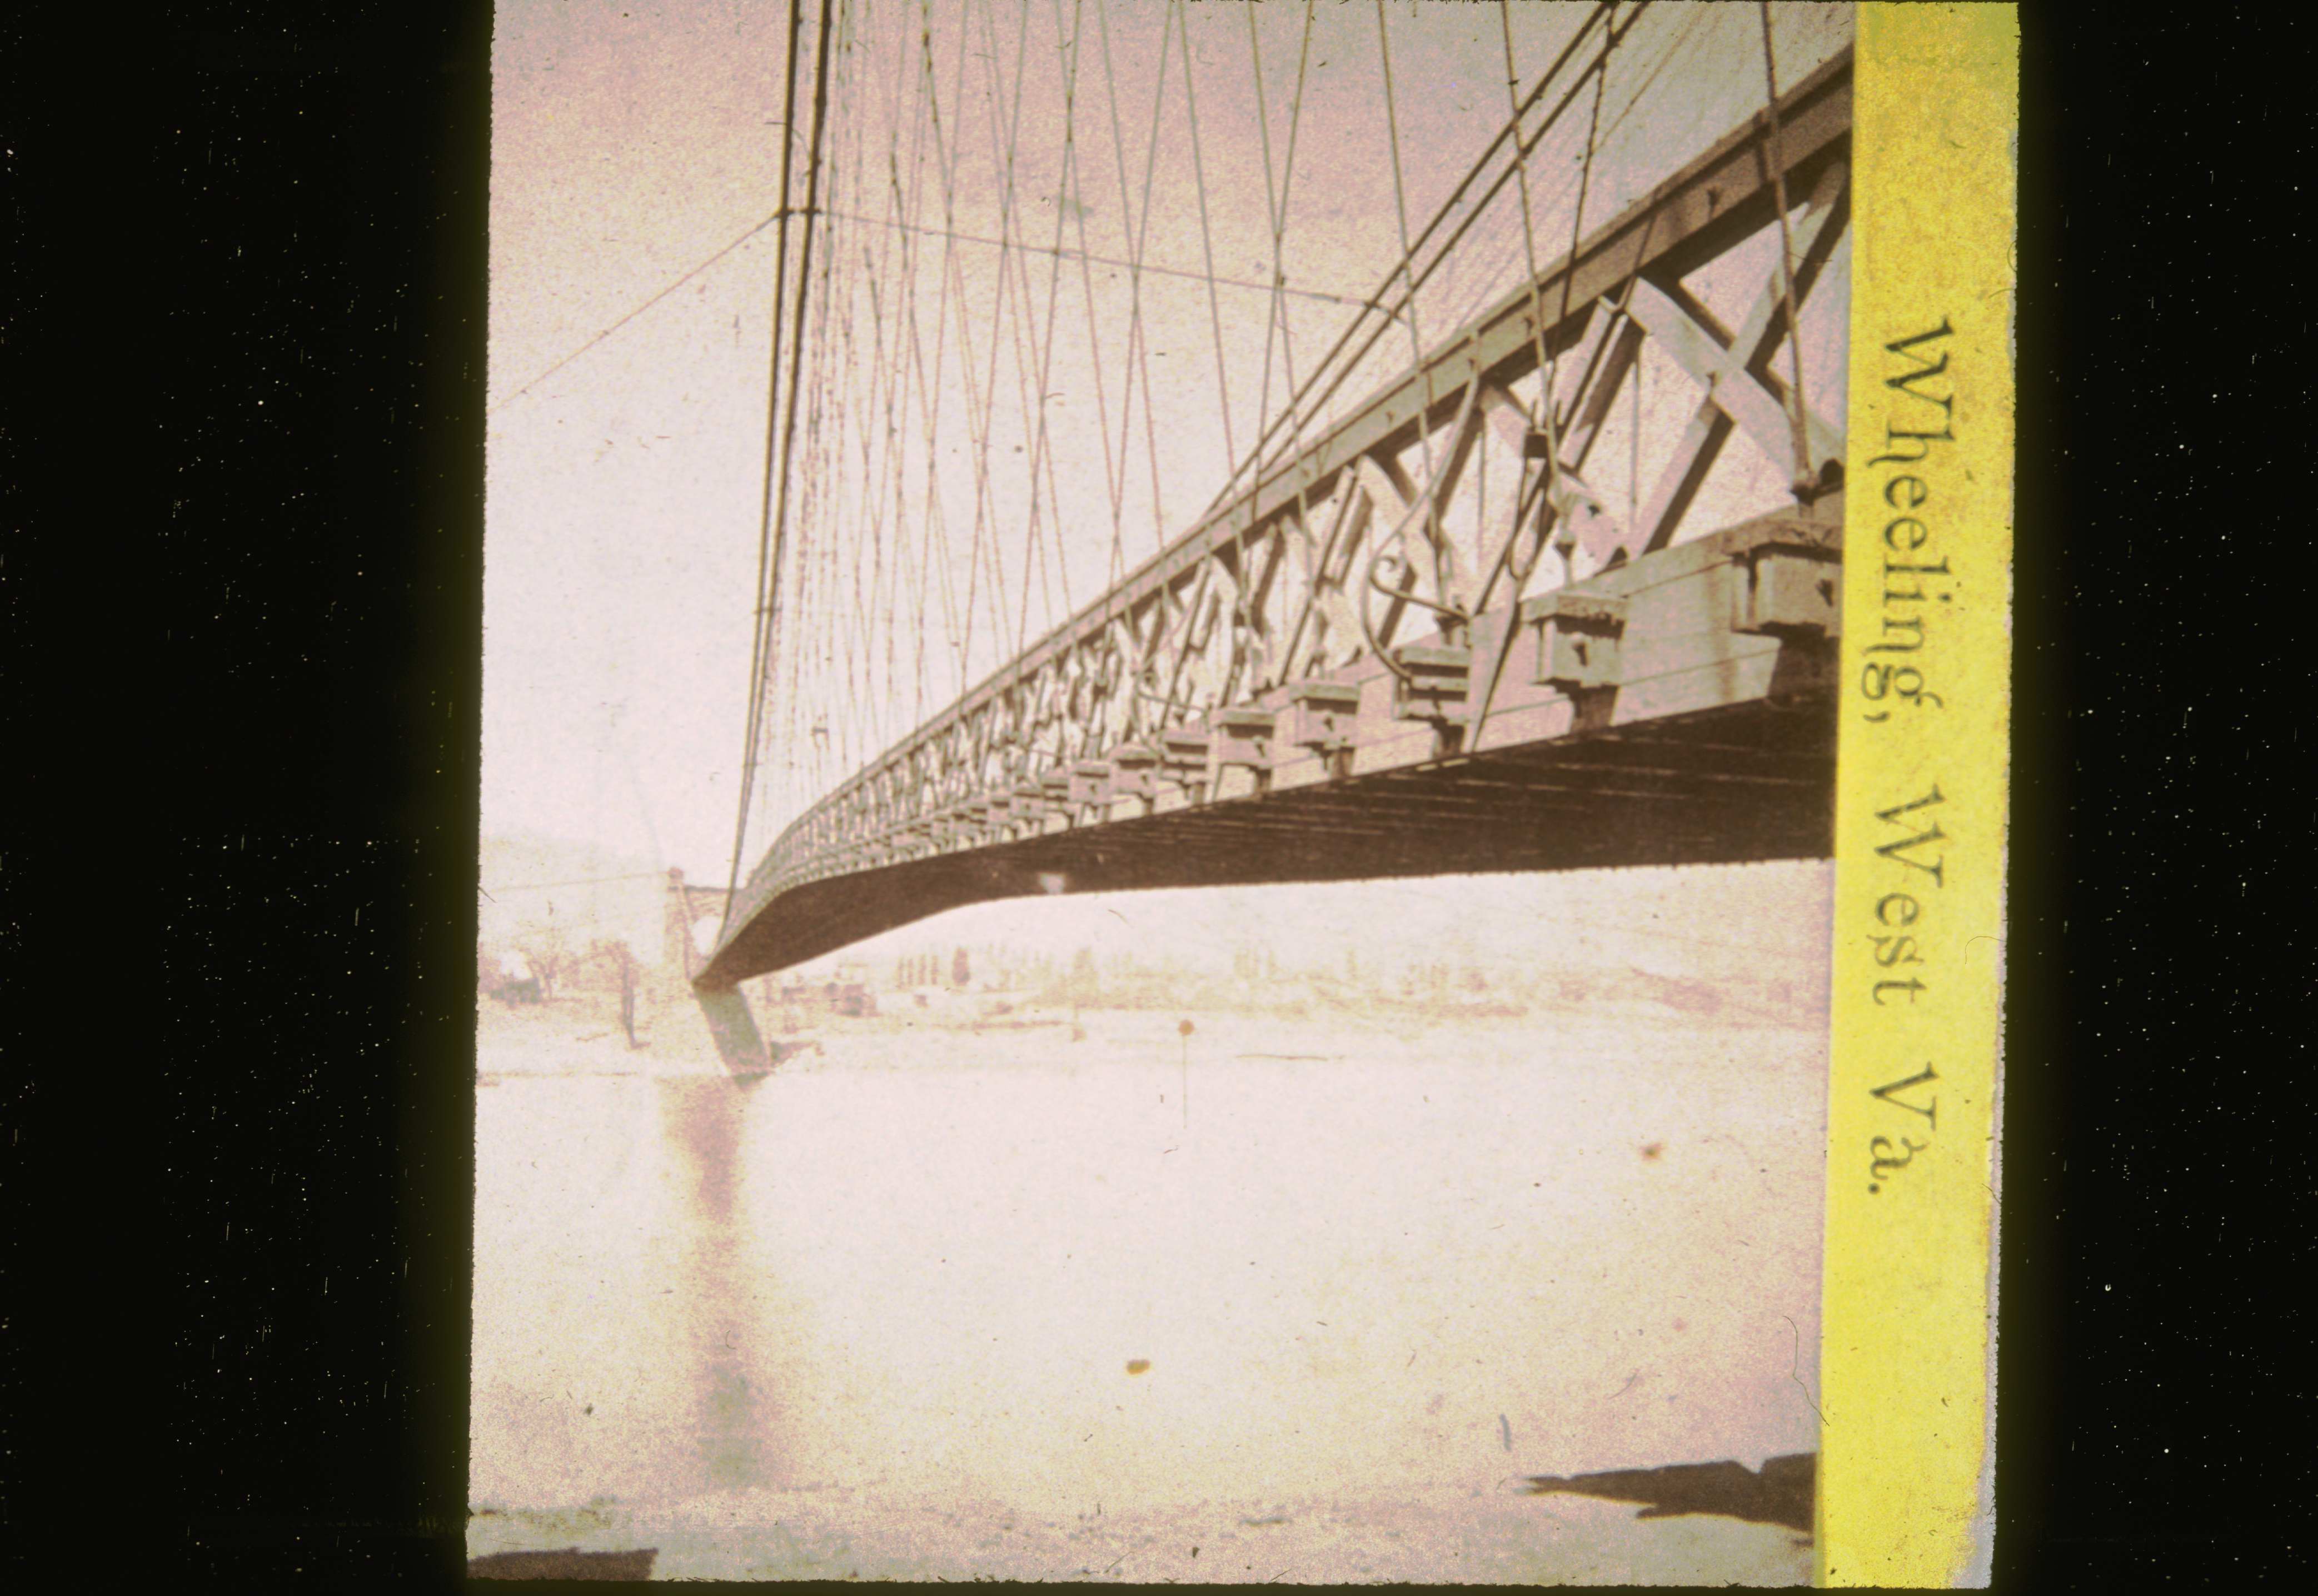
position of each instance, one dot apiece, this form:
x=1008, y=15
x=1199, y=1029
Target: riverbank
x=891, y=1532
x=580, y=1033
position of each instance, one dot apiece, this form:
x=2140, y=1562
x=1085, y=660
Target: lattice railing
x=1382, y=540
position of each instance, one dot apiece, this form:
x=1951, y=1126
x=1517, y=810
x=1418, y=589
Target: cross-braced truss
x=1436, y=576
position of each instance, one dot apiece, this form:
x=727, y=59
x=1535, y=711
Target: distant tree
x=961, y=972
x=622, y=960
x=547, y=948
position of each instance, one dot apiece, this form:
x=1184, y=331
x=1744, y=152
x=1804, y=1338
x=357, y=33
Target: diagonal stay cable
x=844, y=515
x=1138, y=234
x=1075, y=203
x=766, y=573
x=1344, y=370
x=819, y=618
x=1118, y=482
x=1039, y=453
x=1276, y=201
x=1015, y=290
x=772, y=590
x=772, y=407
x=1021, y=246
x=948, y=153
x=1545, y=364
x=818, y=605
x=985, y=506
x=1415, y=339
x=755, y=229
x=880, y=476
x=955, y=615
x=1206, y=240
x=1806, y=486
x=1296, y=414
x=1511, y=251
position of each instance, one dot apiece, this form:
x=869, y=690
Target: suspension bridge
x=1520, y=555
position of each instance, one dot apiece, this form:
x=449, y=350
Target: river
x=1284, y=1299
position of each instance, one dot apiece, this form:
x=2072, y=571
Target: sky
x=638, y=146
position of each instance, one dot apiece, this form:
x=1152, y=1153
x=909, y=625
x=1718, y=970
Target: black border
x=2154, y=1361
x=313, y=237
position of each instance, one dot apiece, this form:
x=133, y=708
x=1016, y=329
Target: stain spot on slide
x=570, y=1564
x=1781, y=1493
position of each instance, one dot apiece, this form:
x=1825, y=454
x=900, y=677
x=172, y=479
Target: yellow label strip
x=1906, y=1476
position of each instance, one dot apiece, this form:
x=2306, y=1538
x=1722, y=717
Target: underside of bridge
x=1421, y=640
x=1712, y=744
x=1752, y=782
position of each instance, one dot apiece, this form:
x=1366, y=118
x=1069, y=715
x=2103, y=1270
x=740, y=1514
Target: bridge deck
x=1238, y=711
x=1713, y=743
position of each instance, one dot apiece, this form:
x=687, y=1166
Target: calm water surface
x=1005, y=1304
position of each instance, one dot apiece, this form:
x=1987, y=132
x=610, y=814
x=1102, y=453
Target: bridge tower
x=690, y=919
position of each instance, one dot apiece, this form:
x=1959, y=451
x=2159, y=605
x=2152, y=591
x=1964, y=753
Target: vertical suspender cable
x=1276, y=199
x=1296, y=411
x=769, y=625
x=1806, y=485
x=1546, y=370
x=1456, y=233
x=1076, y=192
x=764, y=513
x=1207, y=241
x=1138, y=343
x=1407, y=251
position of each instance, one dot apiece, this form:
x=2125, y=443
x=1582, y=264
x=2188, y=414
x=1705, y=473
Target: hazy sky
x=633, y=141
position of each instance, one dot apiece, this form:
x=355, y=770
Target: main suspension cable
x=764, y=532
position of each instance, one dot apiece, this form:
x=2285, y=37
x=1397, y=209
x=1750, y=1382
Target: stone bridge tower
x=690, y=916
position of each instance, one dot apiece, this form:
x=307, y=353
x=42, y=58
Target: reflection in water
x=702, y=1118
x=954, y=1306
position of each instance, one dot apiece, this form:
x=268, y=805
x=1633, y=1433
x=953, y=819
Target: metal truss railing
x=1365, y=546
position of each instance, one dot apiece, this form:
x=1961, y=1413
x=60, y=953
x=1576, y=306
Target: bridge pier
x=731, y=1026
